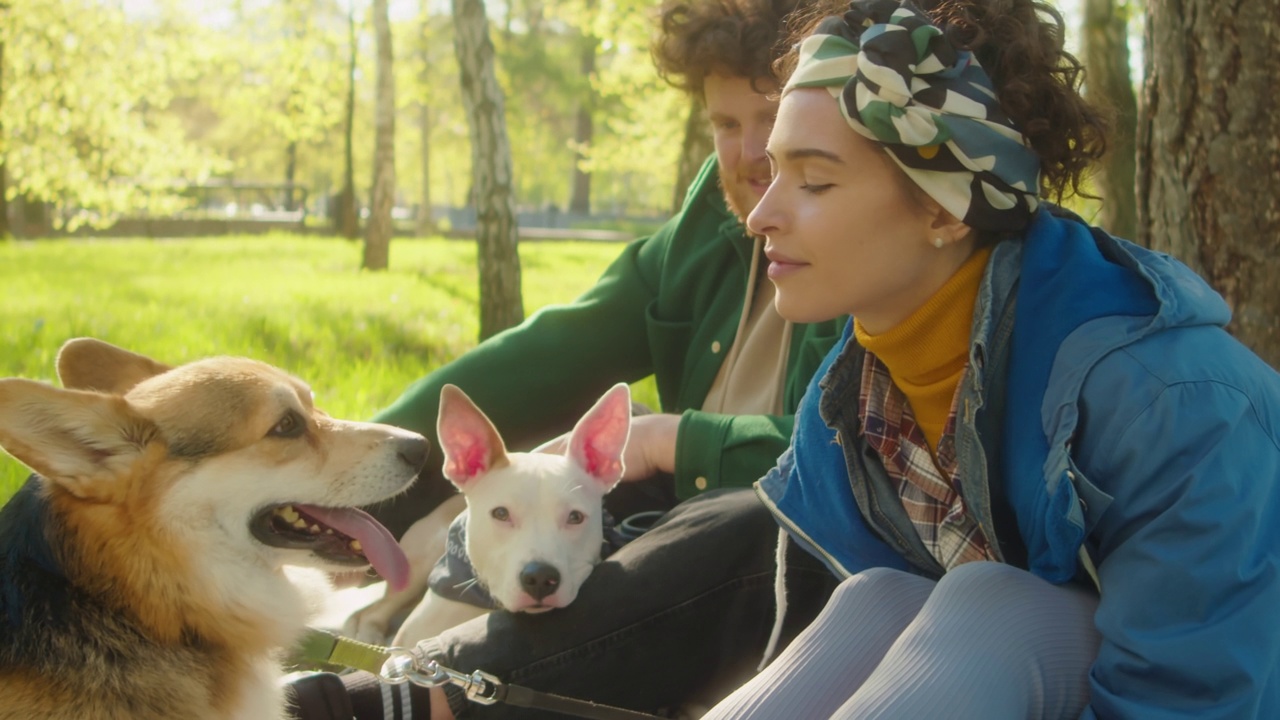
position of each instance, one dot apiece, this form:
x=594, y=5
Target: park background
x=360, y=190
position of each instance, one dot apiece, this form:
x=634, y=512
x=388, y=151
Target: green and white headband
x=901, y=82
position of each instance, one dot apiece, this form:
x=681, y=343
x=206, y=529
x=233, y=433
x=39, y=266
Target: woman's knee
x=880, y=587
x=1010, y=605
x=987, y=585
x=992, y=581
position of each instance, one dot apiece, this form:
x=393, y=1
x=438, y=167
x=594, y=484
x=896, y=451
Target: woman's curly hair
x=1020, y=44
x=738, y=38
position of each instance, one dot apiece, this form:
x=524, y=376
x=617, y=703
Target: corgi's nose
x=413, y=451
x=539, y=579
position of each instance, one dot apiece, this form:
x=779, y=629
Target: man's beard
x=740, y=198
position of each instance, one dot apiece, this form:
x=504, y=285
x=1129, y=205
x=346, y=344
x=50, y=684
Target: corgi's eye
x=500, y=513
x=576, y=517
x=290, y=426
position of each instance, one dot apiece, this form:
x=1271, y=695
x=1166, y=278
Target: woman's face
x=845, y=233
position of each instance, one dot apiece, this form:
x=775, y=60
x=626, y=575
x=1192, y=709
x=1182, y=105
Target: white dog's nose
x=539, y=579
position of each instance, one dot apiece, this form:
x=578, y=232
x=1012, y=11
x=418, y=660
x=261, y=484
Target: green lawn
x=358, y=338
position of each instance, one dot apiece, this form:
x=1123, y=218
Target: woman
x=1048, y=474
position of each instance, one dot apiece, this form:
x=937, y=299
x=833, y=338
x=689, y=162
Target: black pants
x=682, y=613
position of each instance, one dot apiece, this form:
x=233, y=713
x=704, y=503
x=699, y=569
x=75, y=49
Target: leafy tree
x=272, y=89
x=537, y=66
x=639, y=119
x=95, y=138
x=262, y=93
x=431, y=103
x=299, y=103
x=542, y=48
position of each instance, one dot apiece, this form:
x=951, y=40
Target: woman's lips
x=781, y=266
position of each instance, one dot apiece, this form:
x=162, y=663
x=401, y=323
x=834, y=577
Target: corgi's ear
x=600, y=437
x=470, y=442
x=90, y=364
x=83, y=441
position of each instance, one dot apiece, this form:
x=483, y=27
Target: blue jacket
x=1111, y=413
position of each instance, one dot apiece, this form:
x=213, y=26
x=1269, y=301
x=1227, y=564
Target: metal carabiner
x=403, y=666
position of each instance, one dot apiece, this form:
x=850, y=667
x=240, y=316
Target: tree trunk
x=377, y=239
x=34, y=217
x=5, y=231
x=1106, y=56
x=1209, y=158
x=348, y=214
x=580, y=202
x=290, y=174
x=695, y=148
x=426, y=223
x=501, y=305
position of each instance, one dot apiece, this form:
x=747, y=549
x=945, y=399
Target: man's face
x=740, y=119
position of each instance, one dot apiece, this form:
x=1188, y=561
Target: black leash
x=396, y=666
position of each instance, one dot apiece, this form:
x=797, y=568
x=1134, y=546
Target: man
x=685, y=611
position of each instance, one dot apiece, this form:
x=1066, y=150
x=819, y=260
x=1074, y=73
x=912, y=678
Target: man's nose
x=754, y=141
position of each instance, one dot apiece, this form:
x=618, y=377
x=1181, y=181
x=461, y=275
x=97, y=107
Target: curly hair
x=1020, y=44
x=739, y=38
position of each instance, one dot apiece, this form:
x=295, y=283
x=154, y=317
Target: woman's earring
x=938, y=242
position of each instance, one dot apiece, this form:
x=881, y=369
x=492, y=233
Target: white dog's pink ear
x=600, y=437
x=470, y=442
x=86, y=442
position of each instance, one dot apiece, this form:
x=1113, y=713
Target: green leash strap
x=325, y=648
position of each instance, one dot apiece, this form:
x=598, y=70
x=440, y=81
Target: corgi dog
x=142, y=568
x=531, y=527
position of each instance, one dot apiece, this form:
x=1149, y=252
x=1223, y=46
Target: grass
x=299, y=302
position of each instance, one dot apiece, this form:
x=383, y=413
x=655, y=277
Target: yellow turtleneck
x=927, y=352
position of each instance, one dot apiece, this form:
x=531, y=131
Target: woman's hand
x=651, y=447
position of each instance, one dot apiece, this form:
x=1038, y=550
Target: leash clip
x=403, y=666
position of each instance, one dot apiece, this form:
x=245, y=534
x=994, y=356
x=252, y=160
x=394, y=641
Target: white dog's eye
x=576, y=517
x=500, y=513
x=291, y=425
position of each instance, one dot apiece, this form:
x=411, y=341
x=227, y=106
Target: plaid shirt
x=928, y=491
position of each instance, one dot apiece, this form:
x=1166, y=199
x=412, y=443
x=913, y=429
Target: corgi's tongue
x=379, y=546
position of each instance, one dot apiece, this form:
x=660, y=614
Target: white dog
x=532, y=522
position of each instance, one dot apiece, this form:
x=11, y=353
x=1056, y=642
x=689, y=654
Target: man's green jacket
x=668, y=306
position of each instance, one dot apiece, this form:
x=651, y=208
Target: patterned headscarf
x=901, y=82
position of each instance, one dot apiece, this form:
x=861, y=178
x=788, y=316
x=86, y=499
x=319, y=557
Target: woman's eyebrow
x=808, y=153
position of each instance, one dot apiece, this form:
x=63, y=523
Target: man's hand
x=651, y=448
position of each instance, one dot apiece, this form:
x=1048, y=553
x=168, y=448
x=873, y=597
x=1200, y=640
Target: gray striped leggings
x=986, y=641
